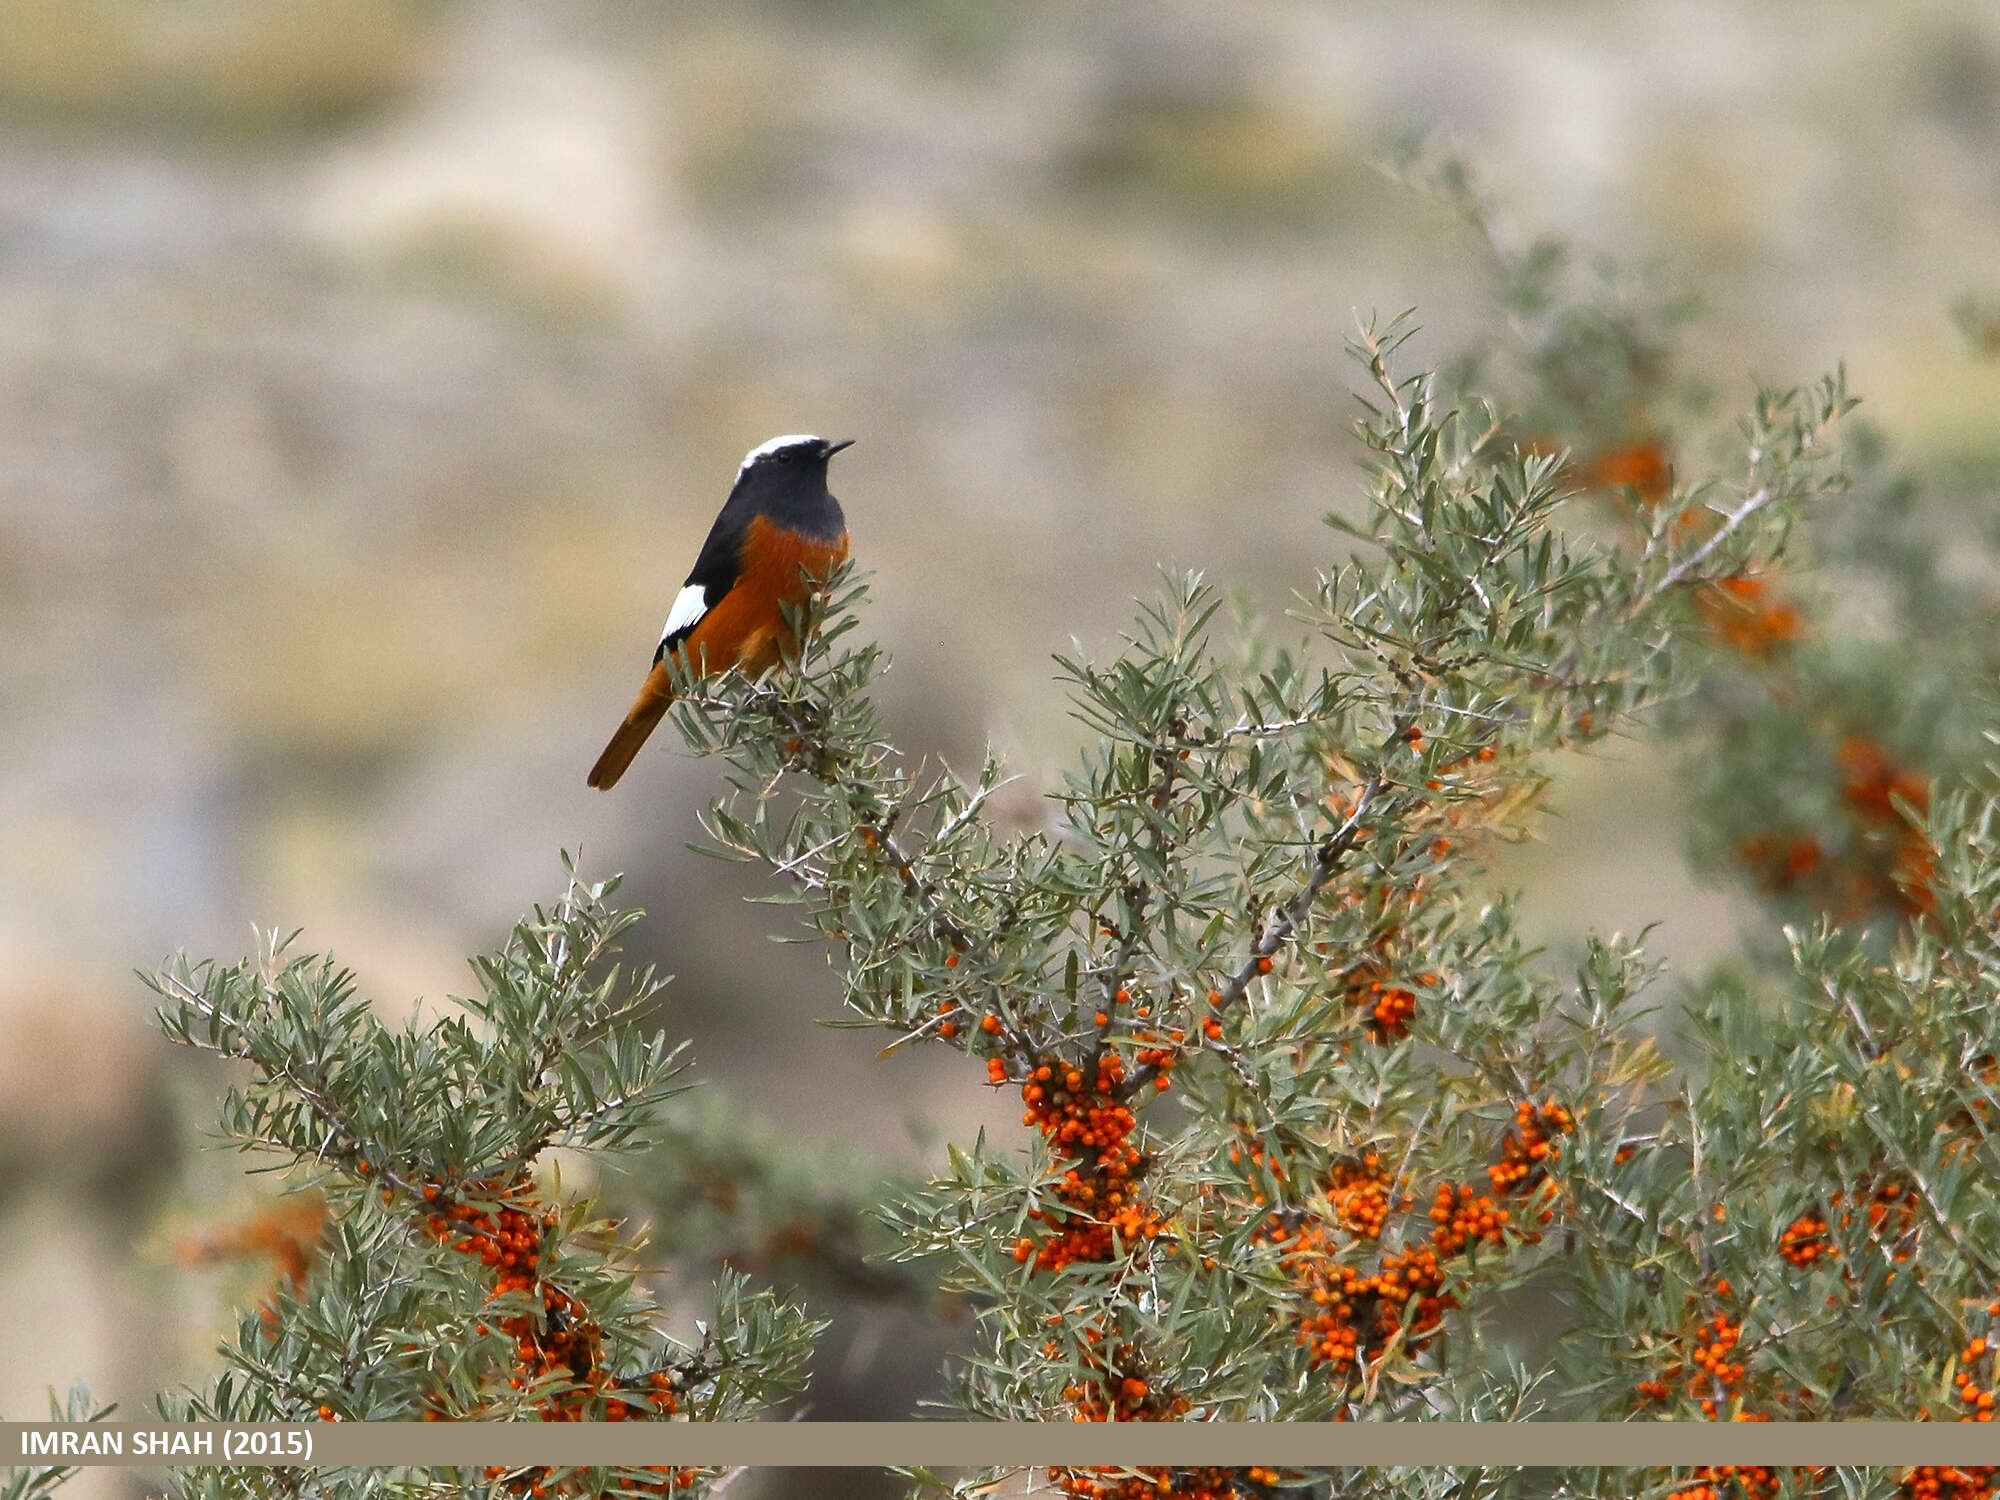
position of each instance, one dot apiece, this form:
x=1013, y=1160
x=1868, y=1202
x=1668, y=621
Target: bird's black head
x=796, y=452
x=785, y=479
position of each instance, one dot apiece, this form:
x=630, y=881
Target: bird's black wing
x=714, y=574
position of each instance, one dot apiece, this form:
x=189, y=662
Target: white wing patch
x=690, y=604
x=764, y=449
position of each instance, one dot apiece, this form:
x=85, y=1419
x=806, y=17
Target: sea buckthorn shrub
x=1817, y=1240
x=1303, y=1116
x=452, y=1278
x=1306, y=1124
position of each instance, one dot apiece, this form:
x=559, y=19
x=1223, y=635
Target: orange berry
x=951, y=961
x=1263, y=966
x=990, y=1025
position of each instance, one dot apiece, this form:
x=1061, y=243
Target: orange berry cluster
x=1875, y=783
x=1974, y=1122
x=1746, y=615
x=1641, y=466
x=1780, y=862
x=1804, y=1240
x=1361, y=1196
x=1359, y=1192
x=1114, y=1388
x=1389, y=1007
x=1080, y=1110
x=1118, y=1391
x=1352, y=1314
x=1974, y=1362
x=1715, y=1343
x=1377, y=987
x=1944, y=1482
x=1714, y=1376
x=562, y=1339
x=561, y=1345
x=1530, y=1146
x=1463, y=1219
x=1888, y=860
x=1891, y=1212
x=288, y=1232
x=1166, y=1484
x=1083, y=1117
x=558, y=1348
x=1382, y=986
x=1268, y=1159
x=1717, y=1376
x=1731, y=1482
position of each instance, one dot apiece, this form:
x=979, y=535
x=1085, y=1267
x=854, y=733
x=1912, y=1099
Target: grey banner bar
x=978, y=1444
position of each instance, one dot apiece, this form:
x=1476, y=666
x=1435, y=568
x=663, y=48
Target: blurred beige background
x=370, y=371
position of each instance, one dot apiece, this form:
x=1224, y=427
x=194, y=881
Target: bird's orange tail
x=647, y=712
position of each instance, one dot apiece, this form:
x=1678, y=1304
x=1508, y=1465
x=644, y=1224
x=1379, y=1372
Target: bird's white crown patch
x=767, y=448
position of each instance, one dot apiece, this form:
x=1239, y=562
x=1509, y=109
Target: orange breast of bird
x=746, y=628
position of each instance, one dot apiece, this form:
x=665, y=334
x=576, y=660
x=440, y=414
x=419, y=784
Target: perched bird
x=779, y=528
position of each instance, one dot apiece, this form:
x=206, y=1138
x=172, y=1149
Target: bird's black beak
x=832, y=448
